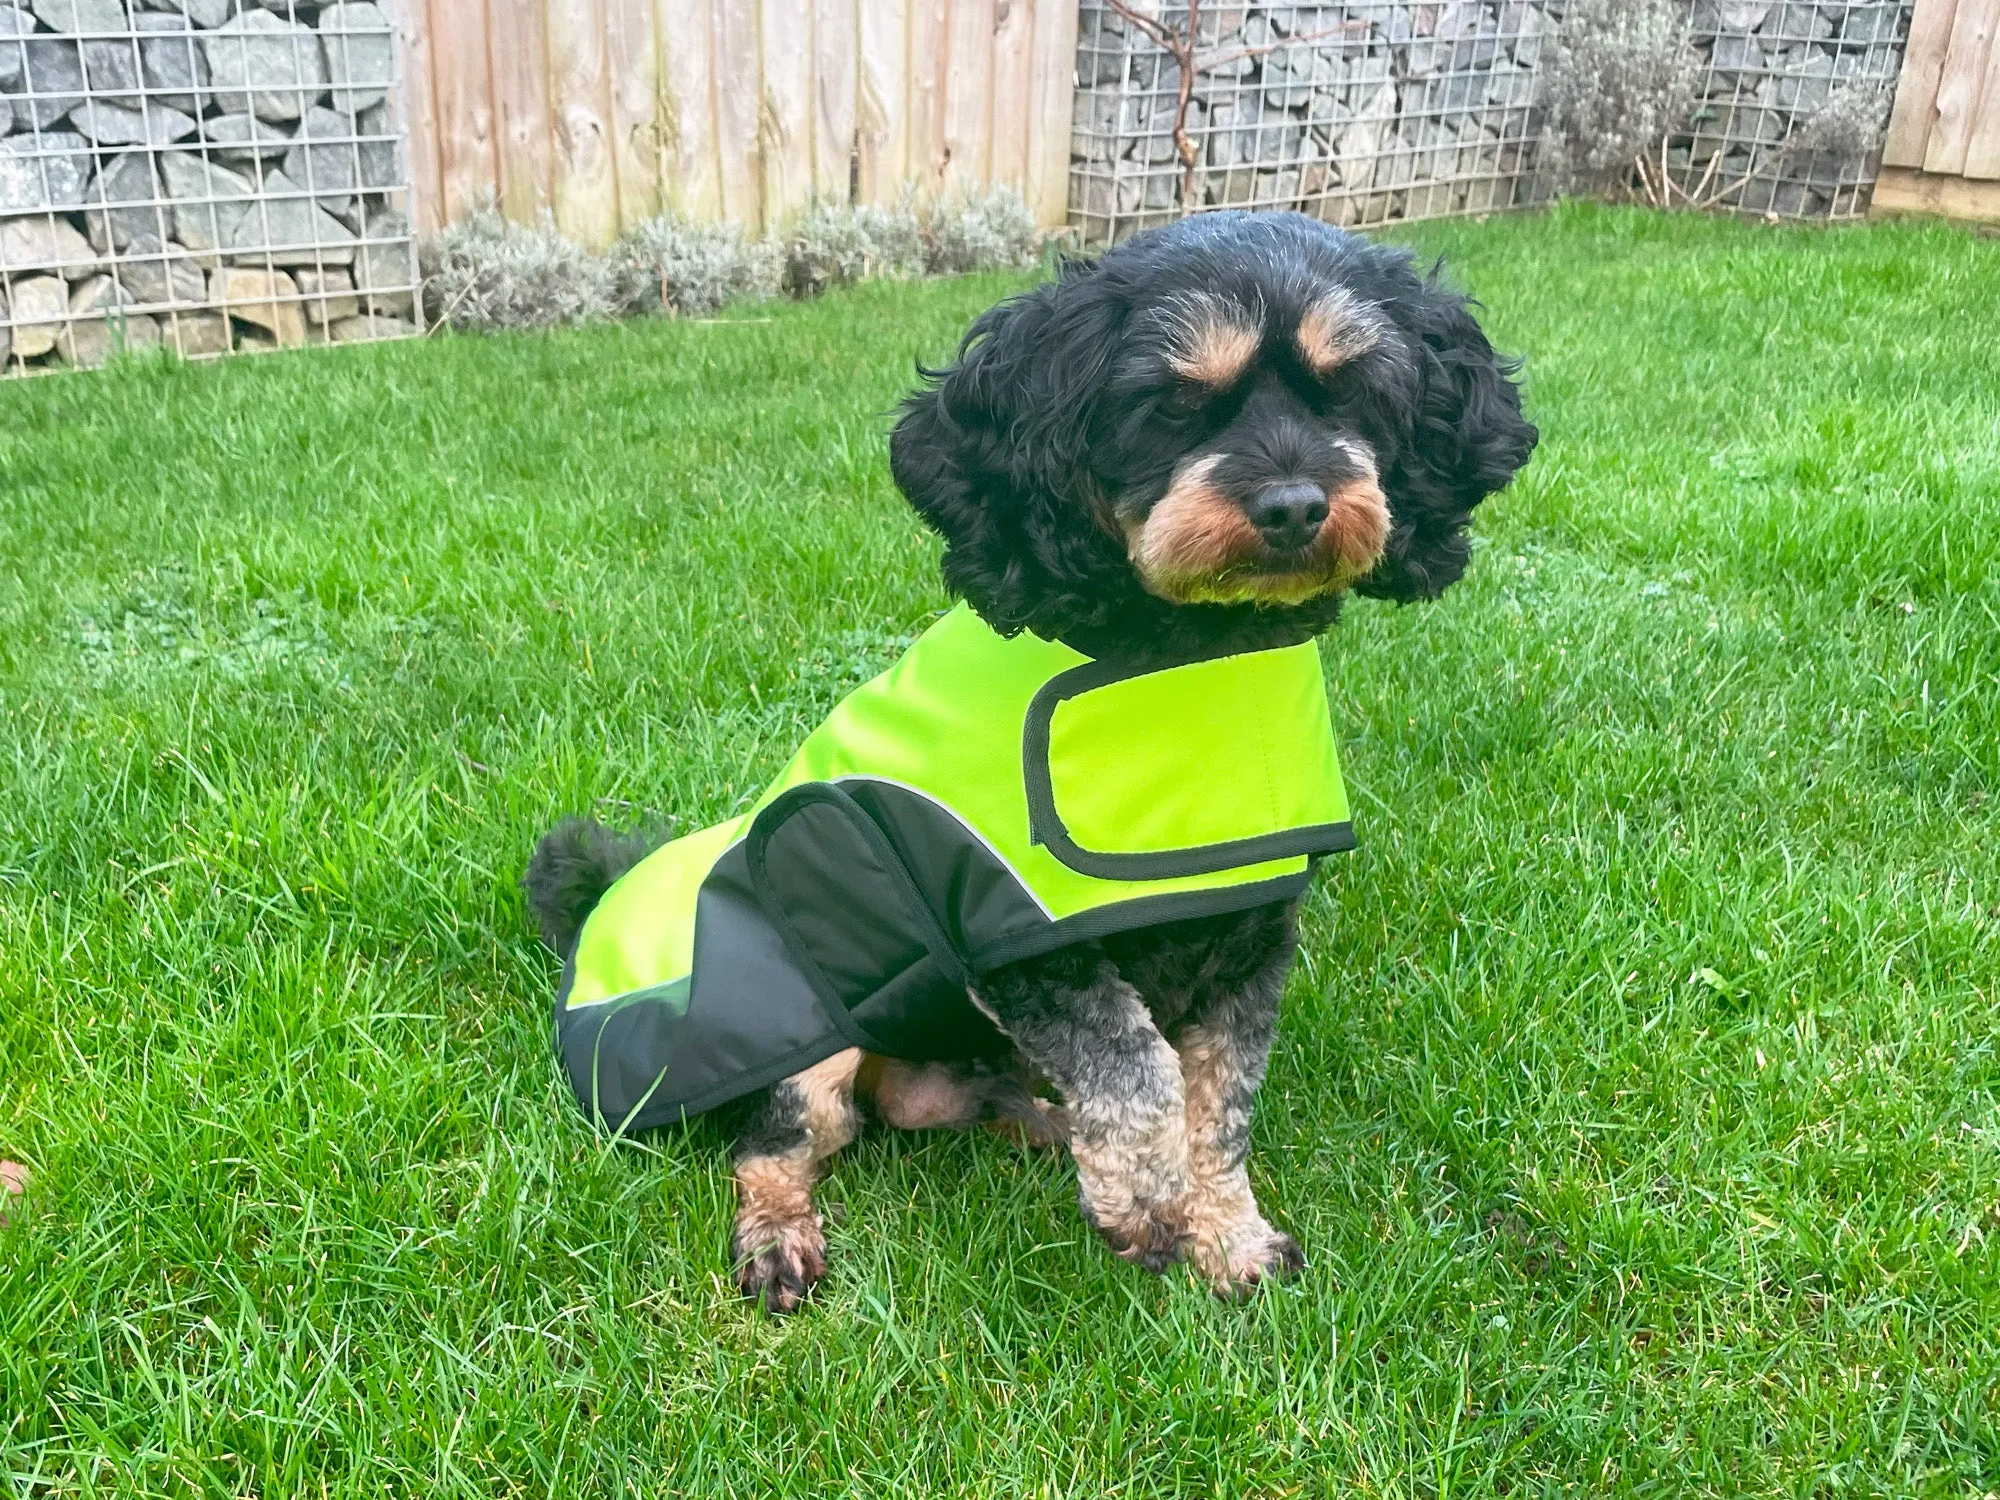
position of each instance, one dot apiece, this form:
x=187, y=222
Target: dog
x=1192, y=447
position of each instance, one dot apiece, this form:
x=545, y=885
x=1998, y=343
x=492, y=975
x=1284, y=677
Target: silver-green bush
x=980, y=231
x=834, y=246
x=676, y=265
x=487, y=272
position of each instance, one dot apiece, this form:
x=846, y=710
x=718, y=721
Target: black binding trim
x=1046, y=827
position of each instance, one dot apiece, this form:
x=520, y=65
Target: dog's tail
x=571, y=869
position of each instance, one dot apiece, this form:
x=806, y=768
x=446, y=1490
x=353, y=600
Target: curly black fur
x=1070, y=419
x=571, y=869
x=1054, y=411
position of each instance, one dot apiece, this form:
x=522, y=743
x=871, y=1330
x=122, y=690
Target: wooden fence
x=1943, y=150
x=605, y=112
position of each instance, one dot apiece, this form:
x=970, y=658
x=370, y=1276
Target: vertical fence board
x=786, y=115
x=923, y=92
x=881, y=107
x=693, y=181
x=602, y=112
x=836, y=67
x=464, y=102
x=1916, y=90
x=586, y=175
x=1958, y=87
x=1982, y=152
x=737, y=93
x=634, y=87
x=968, y=92
x=524, y=129
x=1053, y=75
x=1013, y=93
x=419, y=108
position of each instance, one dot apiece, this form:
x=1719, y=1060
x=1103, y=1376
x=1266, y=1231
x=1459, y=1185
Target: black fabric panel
x=837, y=886
x=846, y=900
x=975, y=896
x=750, y=1019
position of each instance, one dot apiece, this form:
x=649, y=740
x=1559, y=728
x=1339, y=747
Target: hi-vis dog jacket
x=983, y=801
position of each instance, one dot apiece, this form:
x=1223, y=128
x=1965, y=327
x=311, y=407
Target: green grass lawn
x=1638, y=1098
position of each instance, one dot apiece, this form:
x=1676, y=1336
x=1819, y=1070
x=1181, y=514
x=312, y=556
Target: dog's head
x=1216, y=429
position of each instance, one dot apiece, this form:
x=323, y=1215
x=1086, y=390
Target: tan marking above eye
x=1337, y=328
x=1211, y=342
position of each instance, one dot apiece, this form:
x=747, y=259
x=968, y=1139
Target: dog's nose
x=1289, y=515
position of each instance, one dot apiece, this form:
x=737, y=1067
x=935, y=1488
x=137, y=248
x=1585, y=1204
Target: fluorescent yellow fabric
x=1235, y=748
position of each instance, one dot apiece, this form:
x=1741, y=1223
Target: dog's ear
x=991, y=452
x=1467, y=438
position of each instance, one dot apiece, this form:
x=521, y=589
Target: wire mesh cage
x=1371, y=111
x=201, y=174
x=1793, y=102
x=1357, y=113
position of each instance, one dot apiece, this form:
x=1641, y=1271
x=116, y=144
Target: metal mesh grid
x=203, y=174
x=1795, y=98
x=1358, y=113
x=1370, y=111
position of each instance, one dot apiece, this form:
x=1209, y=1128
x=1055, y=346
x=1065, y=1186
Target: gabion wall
x=204, y=174
x=1795, y=103
x=1358, y=113
x=1378, y=110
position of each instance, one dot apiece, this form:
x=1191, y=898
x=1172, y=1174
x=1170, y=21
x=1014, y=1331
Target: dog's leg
x=779, y=1248
x=958, y=1096
x=1223, y=1052
x=1087, y=1031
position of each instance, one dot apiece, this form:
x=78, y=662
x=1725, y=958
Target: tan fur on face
x=1335, y=329
x=1196, y=546
x=1211, y=341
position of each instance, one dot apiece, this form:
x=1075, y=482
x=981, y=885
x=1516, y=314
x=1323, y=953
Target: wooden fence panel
x=526, y=165
x=692, y=165
x=463, y=95
x=1052, y=75
x=1943, y=150
x=1959, y=88
x=882, y=134
x=1916, y=90
x=634, y=65
x=603, y=112
x=419, y=113
x=836, y=27
x=786, y=116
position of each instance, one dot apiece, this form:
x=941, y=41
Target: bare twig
x=1181, y=45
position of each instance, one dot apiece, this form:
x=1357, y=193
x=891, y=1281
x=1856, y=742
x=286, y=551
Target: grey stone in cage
x=41, y=173
x=122, y=195
x=359, y=55
x=238, y=139
x=110, y=124
x=273, y=68
x=171, y=62
x=159, y=274
x=45, y=243
x=50, y=84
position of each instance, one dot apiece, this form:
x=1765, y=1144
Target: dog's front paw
x=1237, y=1261
x=1150, y=1235
x=778, y=1263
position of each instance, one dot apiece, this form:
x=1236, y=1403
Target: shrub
x=682, y=267
x=1621, y=77
x=488, y=272
x=834, y=246
x=981, y=231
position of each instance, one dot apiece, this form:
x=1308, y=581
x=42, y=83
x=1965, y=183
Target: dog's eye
x=1181, y=403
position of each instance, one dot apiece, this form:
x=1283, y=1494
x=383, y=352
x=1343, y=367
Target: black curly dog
x=1200, y=442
